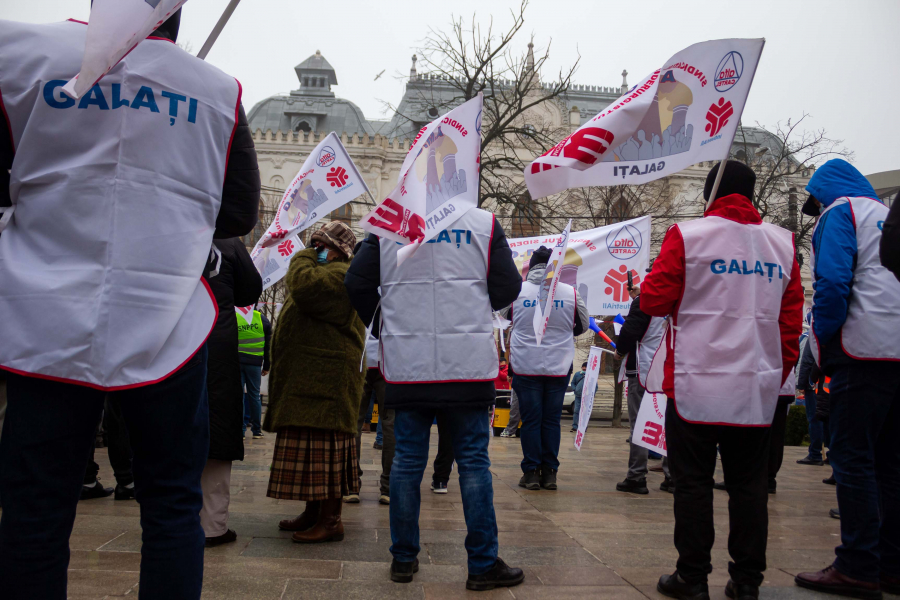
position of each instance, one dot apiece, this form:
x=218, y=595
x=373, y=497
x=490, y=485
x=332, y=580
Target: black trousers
x=443, y=462
x=119, y=445
x=776, y=447
x=692, y=462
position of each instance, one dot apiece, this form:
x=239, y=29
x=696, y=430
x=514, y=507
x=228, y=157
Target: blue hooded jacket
x=834, y=245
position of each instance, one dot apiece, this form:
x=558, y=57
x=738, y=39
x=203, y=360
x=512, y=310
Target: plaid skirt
x=313, y=464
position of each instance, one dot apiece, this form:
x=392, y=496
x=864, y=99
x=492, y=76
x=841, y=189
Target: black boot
x=402, y=572
x=633, y=487
x=500, y=575
x=89, y=492
x=124, y=493
x=548, y=479
x=226, y=538
x=531, y=480
x=674, y=586
x=667, y=486
x=720, y=485
x=741, y=591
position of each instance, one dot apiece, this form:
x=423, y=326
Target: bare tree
x=469, y=59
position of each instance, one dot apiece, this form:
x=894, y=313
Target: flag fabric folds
x=681, y=114
x=438, y=181
x=326, y=181
x=549, y=284
x=114, y=29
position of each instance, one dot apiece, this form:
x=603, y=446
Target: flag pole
x=715, y=188
x=214, y=34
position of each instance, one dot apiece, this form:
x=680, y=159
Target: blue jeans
x=576, y=411
x=865, y=425
x=251, y=375
x=47, y=438
x=470, y=432
x=816, y=434
x=540, y=402
x=379, y=436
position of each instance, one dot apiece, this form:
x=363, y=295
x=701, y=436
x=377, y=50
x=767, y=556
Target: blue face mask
x=322, y=255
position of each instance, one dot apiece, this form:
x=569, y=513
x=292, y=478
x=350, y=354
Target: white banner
x=684, y=113
x=326, y=181
x=547, y=292
x=650, y=426
x=438, y=181
x=115, y=27
x=597, y=262
x=587, y=393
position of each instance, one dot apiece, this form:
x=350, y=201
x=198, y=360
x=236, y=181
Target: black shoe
x=719, y=485
x=124, y=493
x=834, y=513
x=772, y=487
x=500, y=575
x=741, y=591
x=377, y=446
x=402, y=572
x=89, y=492
x=674, y=586
x=830, y=481
x=633, y=487
x=226, y=538
x=531, y=480
x=667, y=486
x=811, y=461
x=548, y=479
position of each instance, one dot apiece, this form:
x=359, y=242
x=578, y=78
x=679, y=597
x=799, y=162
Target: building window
x=303, y=126
x=526, y=219
x=344, y=214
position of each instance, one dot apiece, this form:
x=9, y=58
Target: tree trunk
x=617, y=401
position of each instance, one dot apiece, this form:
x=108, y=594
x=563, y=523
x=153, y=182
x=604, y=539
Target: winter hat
x=738, y=178
x=540, y=256
x=337, y=235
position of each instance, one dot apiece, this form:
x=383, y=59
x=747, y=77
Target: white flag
x=587, y=393
x=650, y=425
x=547, y=293
x=115, y=27
x=684, y=113
x=438, y=181
x=326, y=181
x=245, y=313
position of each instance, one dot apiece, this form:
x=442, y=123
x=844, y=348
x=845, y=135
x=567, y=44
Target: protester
x=855, y=320
x=432, y=370
x=502, y=381
x=542, y=371
x=577, y=386
x=254, y=339
x=102, y=264
x=234, y=281
x=731, y=285
x=120, y=457
x=514, y=415
x=889, y=248
x=315, y=386
x=443, y=460
x=636, y=344
x=816, y=433
x=786, y=397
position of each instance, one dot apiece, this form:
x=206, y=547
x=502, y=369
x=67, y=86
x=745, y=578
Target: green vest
x=251, y=338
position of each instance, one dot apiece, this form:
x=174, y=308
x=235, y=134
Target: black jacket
x=890, y=239
x=636, y=324
x=237, y=284
x=504, y=284
x=807, y=364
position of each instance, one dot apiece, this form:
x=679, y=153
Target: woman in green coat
x=314, y=388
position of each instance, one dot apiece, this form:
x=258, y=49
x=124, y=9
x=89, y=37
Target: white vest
x=790, y=385
x=371, y=352
x=435, y=310
x=554, y=356
x=727, y=342
x=647, y=347
x=116, y=197
x=872, y=328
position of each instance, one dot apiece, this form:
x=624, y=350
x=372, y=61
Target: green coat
x=315, y=380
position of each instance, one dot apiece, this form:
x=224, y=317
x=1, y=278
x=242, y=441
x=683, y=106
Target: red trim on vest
x=440, y=381
x=490, y=243
x=132, y=386
x=12, y=141
x=156, y=37
x=77, y=21
x=675, y=404
x=237, y=109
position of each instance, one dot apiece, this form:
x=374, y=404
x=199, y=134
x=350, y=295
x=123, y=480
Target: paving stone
x=304, y=589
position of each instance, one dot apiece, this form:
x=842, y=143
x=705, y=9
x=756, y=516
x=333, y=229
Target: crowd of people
x=131, y=292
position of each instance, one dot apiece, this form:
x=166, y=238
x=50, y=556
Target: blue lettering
x=745, y=271
x=880, y=225
x=117, y=96
x=458, y=233
x=771, y=268
x=94, y=97
x=192, y=111
x=734, y=267
x=50, y=96
x=146, y=98
x=174, y=99
x=717, y=266
x=780, y=273
x=759, y=269
x=444, y=236
x=468, y=236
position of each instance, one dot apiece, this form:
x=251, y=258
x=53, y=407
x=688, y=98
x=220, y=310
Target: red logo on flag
x=393, y=217
x=718, y=115
x=617, y=280
x=337, y=176
x=285, y=248
x=654, y=434
x=585, y=145
x=594, y=363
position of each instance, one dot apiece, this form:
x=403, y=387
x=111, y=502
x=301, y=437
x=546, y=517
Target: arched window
x=344, y=214
x=277, y=182
x=303, y=126
x=526, y=218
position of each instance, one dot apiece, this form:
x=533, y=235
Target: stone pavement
x=583, y=541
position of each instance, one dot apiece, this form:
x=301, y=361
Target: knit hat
x=337, y=235
x=540, y=256
x=738, y=178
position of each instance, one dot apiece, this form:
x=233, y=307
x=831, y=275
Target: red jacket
x=502, y=380
x=662, y=289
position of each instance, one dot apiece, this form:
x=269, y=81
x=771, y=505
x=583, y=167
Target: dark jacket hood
x=838, y=178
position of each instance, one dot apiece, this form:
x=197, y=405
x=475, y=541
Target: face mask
x=322, y=256
x=810, y=207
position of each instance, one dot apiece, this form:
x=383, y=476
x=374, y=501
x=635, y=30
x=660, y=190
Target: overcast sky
x=837, y=61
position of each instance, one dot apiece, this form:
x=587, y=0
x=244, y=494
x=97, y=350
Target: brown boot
x=328, y=528
x=304, y=521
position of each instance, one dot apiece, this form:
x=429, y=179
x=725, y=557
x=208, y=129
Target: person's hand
x=634, y=291
x=264, y=373
x=619, y=356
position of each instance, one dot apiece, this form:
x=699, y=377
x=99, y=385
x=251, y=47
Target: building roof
x=886, y=183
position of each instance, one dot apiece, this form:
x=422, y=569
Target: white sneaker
x=351, y=499
x=504, y=433
x=438, y=488
x=384, y=499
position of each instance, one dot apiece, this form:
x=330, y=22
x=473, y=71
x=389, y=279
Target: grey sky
x=837, y=61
